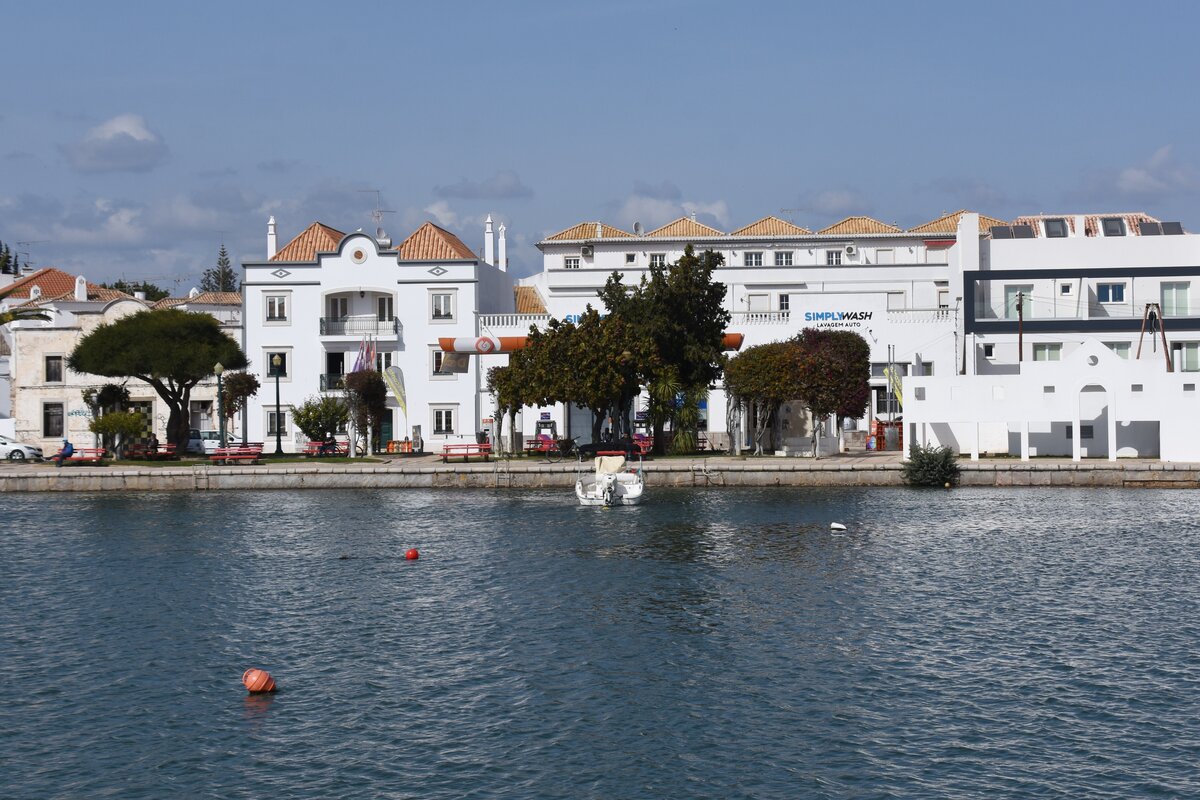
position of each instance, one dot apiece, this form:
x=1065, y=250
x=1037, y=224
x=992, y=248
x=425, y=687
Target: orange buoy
x=412, y=555
x=258, y=680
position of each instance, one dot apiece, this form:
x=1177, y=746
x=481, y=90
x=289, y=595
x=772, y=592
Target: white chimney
x=1080, y=225
x=80, y=289
x=194, y=293
x=599, y=230
x=139, y=295
x=489, y=255
x=35, y=292
x=272, y=242
x=502, y=261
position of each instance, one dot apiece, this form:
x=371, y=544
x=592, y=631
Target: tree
x=119, y=425
x=366, y=396
x=763, y=378
x=220, y=278
x=239, y=388
x=129, y=287
x=833, y=368
x=318, y=417
x=169, y=349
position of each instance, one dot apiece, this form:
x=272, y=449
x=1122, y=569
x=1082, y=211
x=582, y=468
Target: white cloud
x=122, y=144
x=442, y=214
x=654, y=206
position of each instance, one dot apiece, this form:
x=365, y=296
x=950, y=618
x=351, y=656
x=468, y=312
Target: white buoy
x=836, y=526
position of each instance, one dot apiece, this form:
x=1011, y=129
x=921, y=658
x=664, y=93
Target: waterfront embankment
x=881, y=469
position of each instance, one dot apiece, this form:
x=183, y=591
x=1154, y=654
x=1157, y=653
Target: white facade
x=317, y=300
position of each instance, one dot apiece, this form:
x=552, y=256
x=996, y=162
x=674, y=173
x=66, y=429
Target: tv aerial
x=379, y=211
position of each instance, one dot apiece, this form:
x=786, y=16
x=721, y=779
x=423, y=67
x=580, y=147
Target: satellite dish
x=637, y=229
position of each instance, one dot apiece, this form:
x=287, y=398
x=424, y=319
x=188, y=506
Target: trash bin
x=481, y=437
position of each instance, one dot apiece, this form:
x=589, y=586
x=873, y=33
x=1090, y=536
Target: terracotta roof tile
x=57, y=285
x=948, y=223
x=529, y=300
x=1091, y=222
x=204, y=298
x=859, y=225
x=771, y=226
x=431, y=243
x=316, y=238
x=588, y=230
x=683, y=228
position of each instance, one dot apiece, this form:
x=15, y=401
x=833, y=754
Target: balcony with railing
x=361, y=325
x=331, y=382
x=743, y=318
x=516, y=322
x=902, y=315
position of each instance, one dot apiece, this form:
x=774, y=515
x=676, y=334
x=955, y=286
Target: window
x=878, y=367
x=833, y=258
x=52, y=420
x=783, y=259
x=658, y=259
x=1085, y=431
x=758, y=302
x=1050, y=351
x=753, y=259
x=1137, y=387
x=277, y=308
x=895, y=300
x=1065, y=289
x=283, y=363
x=1048, y=390
x=385, y=310
x=1111, y=292
x=339, y=307
x=443, y=419
x=1120, y=348
x=1186, y=356
x=1175, y=299
x=989, y=351
x=885, y=255
x=630, y=258
x=443, y=306
x=943, y=296
x=785, y=302
x=54, y=369
x=1014, y=295
x=570, y=262
x=437, y=360
x=1113, y=226
x=382, y=361
x=1055, y=228
x=277, y=423
x=925, y=368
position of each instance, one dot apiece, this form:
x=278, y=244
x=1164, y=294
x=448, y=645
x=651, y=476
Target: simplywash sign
x=838, y=319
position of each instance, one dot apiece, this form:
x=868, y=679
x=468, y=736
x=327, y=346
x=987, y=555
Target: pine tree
x=220, y=278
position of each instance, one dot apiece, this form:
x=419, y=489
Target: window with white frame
x=277, y=308
x=271, y=368
x=885, y=255
x=277, y=422
x=1018, y=295
x=54, y=369
x=52, y=420
x=895, y=300
x=441, y=306
x=1186, y=356
x=658, y=259
x=752, y=259
x=1047, y=351
x=783, y=259
x=989, y=351
x=382, y=361
x=833, y=258
x=570, y=262
x=937, y=255
x=1120, y=348
x=1110, y=292
x=758, y=302
x=1113, y=226
x=630, y=258
x=785, y=302
x=1055, y=228
x=385, y=308
x=444, y=418
x=437, y=361
x=1065, y=289
x=1175, y=299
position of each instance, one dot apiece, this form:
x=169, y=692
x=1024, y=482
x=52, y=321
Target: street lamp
x=276, y=363
x=218, y=368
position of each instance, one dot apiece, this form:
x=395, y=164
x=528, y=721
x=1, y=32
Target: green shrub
x=931, y=466
x=319, y=416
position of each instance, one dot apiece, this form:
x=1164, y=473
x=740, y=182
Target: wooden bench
x=231, y=455
x=319, y=449
x=466, y=451
x=540, y=444
x=84, y=455
x=165, y=452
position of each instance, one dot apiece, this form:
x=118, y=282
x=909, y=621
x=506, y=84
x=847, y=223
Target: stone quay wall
x=504, y=475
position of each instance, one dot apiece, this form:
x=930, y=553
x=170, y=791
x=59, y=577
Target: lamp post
x=276, y=363
x=218, y=369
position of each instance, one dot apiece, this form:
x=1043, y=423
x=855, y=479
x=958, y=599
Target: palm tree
x=18, y=314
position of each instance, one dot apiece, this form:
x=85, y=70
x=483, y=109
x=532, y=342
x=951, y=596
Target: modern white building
x=317, y=301
x=1081, y=339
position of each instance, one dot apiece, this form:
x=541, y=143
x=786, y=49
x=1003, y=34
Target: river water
x=709, y=644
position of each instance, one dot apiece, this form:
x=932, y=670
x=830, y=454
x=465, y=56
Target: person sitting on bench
x=67, y=451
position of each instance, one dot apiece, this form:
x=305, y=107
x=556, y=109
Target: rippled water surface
x=717, y=644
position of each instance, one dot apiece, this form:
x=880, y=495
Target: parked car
x=16, y=451
x=203, y=442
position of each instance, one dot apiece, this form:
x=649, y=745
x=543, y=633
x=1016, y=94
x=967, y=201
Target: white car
x=16, y=451
x=203, y=442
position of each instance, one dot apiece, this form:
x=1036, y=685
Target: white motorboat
x=613, y=483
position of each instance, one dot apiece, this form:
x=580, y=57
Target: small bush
x=931, y=466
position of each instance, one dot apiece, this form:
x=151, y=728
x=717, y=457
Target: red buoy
x=412, y=555
x=258, y=680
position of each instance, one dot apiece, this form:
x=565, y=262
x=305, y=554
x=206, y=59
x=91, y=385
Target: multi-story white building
x=1047, y=292
x=46, y=396
x=314, y=303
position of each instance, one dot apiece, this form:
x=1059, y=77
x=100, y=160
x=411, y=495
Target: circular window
x=358, y=256
x=1093, y=361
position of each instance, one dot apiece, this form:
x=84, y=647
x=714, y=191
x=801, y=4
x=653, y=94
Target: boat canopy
x=609, y=465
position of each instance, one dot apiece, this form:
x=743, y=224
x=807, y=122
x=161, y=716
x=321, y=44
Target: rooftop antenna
x=25, y=252
x=787, y=213
x=379, y=211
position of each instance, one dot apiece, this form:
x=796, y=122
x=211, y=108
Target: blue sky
x=137, y=137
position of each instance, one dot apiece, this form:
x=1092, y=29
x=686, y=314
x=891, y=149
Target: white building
x=1060, y=307
x=314, y=303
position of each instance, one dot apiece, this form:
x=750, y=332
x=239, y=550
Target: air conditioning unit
x=587, y=251
x=851, y=250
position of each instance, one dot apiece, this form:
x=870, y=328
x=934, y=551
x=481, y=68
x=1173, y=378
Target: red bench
x=644, y=443
x=84, y=455
x=231, y=455
x=165, y=452
x=319, y=449
x=466, y=451
x=543, y=443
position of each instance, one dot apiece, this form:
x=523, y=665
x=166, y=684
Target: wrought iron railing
x=359, y=325
x=332, y=383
